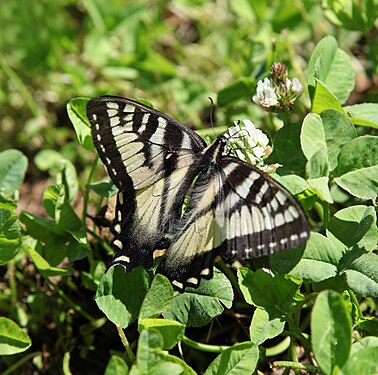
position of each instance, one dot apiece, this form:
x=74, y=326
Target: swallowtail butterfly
x=235, y=210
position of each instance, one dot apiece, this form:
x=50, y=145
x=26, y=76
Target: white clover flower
x=279, y=93
x=249, y=143
x=265, y=95
x=297, y=86
x=294, y=87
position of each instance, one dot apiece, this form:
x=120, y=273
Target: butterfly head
x=215, y=150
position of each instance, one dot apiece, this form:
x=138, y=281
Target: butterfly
x=235, y=210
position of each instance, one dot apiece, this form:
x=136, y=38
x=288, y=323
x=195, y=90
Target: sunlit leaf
x=12, y=338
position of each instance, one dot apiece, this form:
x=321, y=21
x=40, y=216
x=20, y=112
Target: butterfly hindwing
x=261, y=216
x=236, y=211
x=149, y=157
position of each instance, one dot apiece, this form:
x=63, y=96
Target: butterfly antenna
x=211, y=113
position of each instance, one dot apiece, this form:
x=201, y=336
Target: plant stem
x=296, y=332
x=355, y=301
x=293, y=353
x=12, y=369
x=104, y=244
x=298, y=366
x=204, y=347
x=20, y=86
x=95, y=15
x=130, y=355
x=326, y=213
x=231, y=276
x=286, y=118
x=71, y=303
x=86, y=191
x=13, y=287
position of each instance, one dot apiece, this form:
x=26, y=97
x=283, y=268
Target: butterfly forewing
x=150, y=158
x=138, y=144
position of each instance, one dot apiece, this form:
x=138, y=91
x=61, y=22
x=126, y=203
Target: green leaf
x=354, y=226
x=275, y=294
x=363, y=362
x=352, y=15
x=308, y=199
x=361, y=273
x=292, y=182
x=170, y=330
x=312, y=136
x=240, y=359
x=322, y=139
x=238, y=89
x=10, y=235
x=265, y=326
x=287, y=150
x=120, y=294
x=78, y=250
x=324, y=99
x=53, y=199
x=77, y=112
x=44, y=230
x=172, y=365
x=43, y=265
x=320, y=259
x=196, y=307
x=61, y=169
x=315, y=149
x=320, y=186
x=158, y=298
x=365, y=342
x=331, y=331
x=104, y=188
x=369, y=324
x=54, y=241
x=12, y=338
x=365, y=114
x=47, y=160
x=332, y=66
x=13, y=164
x=60, y=210
x=7, y=203
x=116, y=366
x=92, y=279
x=68, y=177
x=284, y=261
x=338, y=130
x=152, y=360
x=357, y=170
x=150, y=341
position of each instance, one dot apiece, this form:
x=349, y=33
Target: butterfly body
x=235, y=210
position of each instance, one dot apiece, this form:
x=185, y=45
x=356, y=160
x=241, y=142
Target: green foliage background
x=322, y=300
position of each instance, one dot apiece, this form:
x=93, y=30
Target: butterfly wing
x=149, y=157
x=262, y=216
x=236, y=211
